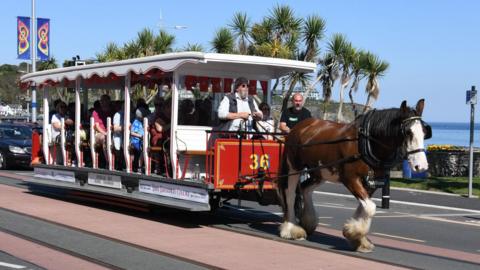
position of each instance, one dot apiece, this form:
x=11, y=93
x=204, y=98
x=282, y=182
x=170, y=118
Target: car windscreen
x=19, y=133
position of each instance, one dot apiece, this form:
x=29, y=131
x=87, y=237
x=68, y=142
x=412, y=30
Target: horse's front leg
x=357, y=227
x=289, y=228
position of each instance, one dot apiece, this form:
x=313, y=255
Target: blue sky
x=432, y=46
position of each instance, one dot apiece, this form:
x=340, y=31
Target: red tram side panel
x=238, y=162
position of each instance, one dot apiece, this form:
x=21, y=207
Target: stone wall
x=452, y=163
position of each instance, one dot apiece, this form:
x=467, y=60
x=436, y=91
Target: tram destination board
x=57, y=175
x=105, y=180
x=174, y=191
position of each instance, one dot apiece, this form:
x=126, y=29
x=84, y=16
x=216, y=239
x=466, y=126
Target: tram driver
x=237, y=110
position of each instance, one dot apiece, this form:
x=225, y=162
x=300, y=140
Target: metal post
x=386, y=190
x=33, y=43
x=472, y=127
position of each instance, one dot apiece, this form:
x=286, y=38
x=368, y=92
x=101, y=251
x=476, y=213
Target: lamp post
x=33, y=47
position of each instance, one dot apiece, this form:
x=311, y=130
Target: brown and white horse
x=314, y=143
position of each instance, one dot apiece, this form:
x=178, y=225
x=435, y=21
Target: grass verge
x=456, y=185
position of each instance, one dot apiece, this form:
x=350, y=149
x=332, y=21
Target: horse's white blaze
x=418, y=161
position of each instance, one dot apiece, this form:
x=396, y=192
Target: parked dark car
x=15, y=145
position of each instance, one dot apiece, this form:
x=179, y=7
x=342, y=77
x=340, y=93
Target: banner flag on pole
x=43, y=39
x=23, y=38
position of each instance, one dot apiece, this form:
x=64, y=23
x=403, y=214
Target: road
x=420, y=230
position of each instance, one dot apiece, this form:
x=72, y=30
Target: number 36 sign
x=231, y=162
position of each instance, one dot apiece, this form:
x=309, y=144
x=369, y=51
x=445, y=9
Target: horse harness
x=365, y=142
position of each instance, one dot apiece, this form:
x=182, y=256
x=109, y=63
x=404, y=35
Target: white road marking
x=399, y=237
x=13, y=266
x=323, y=224
x=449, y=221
x=403, y=202
x=325, y=217
x=333, y=206
x=429, y=215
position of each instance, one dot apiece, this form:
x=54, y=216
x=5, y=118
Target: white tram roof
x=191, y=63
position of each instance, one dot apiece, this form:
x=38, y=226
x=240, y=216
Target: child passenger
x=136, y=139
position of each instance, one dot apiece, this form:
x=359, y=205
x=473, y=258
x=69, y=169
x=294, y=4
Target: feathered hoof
x=366, y=246
x=291, y=231
x=362, y=245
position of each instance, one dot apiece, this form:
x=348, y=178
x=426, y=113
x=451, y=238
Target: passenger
x=70, y=132
x=118, y=136
x=56, y=126
x=238, y=109
x=294, y=115
x=187, y=113
x=267, y=124
x=54, y=107
x=136, y=139
x=142, y=104
x=100, y=122
x=159, y=122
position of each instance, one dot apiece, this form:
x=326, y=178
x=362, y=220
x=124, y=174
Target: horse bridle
x=427, y=129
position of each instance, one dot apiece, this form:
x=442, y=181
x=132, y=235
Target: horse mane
x=385, y=122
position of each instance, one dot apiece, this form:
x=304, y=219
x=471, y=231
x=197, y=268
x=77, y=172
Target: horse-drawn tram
x=186, y=164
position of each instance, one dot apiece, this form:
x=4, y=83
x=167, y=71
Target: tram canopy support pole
x=63, y=142
x=78, y=120
x=109, y=156
x=126, y=123
x=92, y=143
x=146, y=141
x=46, y=126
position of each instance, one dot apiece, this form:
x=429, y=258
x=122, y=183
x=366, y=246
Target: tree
x=51, y=63
x=163, y=43
x=327, y=74
x=241, y=30
x=223, y=41
x=145, y=42
x=313, y=31
x=374, y=69
x=358, y=73
x=193, y=47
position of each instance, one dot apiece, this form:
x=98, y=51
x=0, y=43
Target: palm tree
x=312, y=31
x=336, y=49
x=193, y=47
x=163, y=43
x=327, y=75
x=348, y=56
x=223, y=41
x=358, y=74
x=374, y=68
x=284, y=22
x=145, y=42
x=51, y=63
x=241, y=28
x=112, y=53
x=131, y=49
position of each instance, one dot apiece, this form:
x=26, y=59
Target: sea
x=453, y=133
